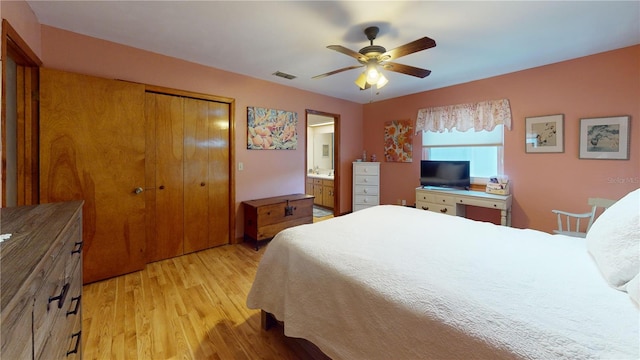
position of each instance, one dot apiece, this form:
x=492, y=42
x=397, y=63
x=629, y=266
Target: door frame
x=336, y=154
x=27, y=120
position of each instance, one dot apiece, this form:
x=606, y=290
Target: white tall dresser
x=366, y=185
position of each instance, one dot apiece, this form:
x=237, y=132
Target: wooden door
x=165, y=114
x=92, y=148
x=206, y=174
x=219, y=173
x=188, y=171
x=196, y=175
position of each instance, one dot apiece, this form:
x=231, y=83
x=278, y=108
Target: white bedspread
x=392, y=282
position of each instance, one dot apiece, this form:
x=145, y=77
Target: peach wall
x=606, y=84
x=23, y=21
x=266, y=173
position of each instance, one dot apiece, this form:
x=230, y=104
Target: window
x=483, y=149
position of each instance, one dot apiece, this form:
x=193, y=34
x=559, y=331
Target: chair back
x=572, y=221
x=596, y=203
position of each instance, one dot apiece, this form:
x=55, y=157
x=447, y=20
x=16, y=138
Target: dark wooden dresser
x=264, y=218
x=41, y=281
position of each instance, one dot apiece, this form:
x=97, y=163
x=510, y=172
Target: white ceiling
x=475, y=40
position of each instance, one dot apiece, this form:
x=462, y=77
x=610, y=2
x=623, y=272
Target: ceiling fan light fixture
x=361, y=81
x=373, y=75
x=382, y=81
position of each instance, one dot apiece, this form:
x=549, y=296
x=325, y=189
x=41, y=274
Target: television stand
x=455, y=201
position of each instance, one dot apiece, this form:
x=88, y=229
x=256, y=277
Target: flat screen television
x=445, y=173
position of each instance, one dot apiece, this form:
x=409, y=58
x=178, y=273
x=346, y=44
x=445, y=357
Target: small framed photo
x=604, y=138
x=545, y=134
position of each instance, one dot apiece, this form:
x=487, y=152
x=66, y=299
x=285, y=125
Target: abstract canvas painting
x=397, y=141
x=270, y=129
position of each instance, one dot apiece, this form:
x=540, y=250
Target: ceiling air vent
x=284, y=75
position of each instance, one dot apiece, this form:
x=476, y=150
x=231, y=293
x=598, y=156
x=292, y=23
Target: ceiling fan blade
x=410, y=48
x=337, y=71
x=354, y=54
x=406, y=69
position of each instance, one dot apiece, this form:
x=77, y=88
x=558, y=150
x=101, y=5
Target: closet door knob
x=202, y=183
x=161, y=187
x=138, y=190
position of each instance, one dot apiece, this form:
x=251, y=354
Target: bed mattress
x=392, y=282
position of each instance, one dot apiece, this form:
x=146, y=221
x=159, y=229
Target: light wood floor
x=189, y=307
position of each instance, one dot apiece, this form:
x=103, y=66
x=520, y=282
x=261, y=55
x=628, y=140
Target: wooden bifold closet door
x=191, y=175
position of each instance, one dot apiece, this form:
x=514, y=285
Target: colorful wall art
x=397, y=141
x=270, y=129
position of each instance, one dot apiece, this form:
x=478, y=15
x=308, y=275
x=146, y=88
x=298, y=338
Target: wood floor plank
x=188, y=307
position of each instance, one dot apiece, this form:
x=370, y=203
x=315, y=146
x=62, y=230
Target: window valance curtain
x=480, y=116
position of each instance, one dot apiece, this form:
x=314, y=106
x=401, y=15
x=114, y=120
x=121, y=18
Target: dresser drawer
x=367, y=200
x=366, y=190
x=49, y=303
x=64, y=341
x=444, y=209
x=435, y=199
x=487, y=203
x=365, y=180
x=366, y=169
x=72, y=246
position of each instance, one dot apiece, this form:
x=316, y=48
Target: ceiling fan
x=373, y=56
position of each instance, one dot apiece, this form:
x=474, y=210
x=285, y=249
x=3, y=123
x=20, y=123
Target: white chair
x=572, y=221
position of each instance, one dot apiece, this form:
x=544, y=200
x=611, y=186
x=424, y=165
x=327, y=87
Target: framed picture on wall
x=604, y=138
x=545, y=134
x=271, y=129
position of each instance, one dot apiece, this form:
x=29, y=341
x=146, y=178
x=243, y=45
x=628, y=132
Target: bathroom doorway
x=322, y=163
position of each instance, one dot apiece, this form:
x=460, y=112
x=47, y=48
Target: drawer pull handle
x=443, y=210
x=77, y=307
x=78, y=336
x=60, y=298
x=78, y=247
x=425, y=208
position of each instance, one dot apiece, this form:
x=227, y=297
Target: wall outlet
x=240, y=166
x=404, y=202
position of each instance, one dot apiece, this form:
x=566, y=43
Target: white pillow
x=633, y=289
x=614, y=241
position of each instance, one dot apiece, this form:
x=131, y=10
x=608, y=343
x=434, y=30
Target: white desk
x=454, y=202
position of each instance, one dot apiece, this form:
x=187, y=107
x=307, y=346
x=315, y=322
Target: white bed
x=391, y=282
